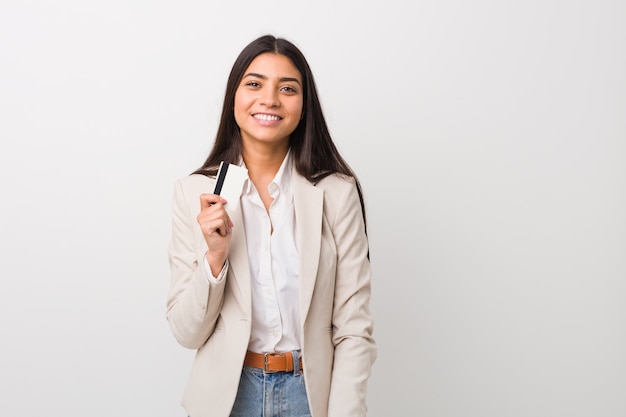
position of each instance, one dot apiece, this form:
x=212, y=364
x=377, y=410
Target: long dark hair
x=314, y=152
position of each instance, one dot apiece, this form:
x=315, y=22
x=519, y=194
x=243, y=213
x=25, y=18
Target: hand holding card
x=230, y=179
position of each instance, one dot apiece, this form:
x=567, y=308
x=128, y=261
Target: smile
x=268, y=117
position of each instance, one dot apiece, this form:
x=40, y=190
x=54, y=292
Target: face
x=269, y=100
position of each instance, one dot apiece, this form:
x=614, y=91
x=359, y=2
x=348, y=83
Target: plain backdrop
x=490, y=139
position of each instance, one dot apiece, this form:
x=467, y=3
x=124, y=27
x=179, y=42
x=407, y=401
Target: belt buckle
x=266, y=362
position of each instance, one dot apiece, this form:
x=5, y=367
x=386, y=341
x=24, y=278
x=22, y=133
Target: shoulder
x=337, y=183
x=338, y=189
x=191, y=186
x=195, y=181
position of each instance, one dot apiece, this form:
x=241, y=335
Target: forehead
x=273, y=65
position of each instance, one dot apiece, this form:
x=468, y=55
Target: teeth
x=266, y=117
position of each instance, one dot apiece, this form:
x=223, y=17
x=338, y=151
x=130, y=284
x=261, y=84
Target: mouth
x=267, y=117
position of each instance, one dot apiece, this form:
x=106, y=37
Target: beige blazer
x=337, y=345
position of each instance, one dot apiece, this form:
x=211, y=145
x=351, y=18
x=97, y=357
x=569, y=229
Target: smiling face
x=269, y=100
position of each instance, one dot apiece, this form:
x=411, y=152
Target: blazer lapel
x=308, y=202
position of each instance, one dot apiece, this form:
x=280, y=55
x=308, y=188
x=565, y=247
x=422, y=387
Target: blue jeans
x=279, y=394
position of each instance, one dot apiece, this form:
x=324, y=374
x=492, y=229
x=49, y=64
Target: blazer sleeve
x=355, y=349
x=193, y=303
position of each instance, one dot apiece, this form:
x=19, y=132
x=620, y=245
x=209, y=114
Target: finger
x=212, y=212
x=215, y=226
x=227, y=228
x=210, y=199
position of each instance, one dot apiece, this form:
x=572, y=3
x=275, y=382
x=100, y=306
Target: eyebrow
x=263, y=77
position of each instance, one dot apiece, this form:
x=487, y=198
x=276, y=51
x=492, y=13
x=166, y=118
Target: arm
x=193, y=302
x=355, y=349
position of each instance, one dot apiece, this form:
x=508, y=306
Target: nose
x=270, y=98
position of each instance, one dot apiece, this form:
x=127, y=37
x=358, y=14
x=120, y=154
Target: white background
x=490, y=139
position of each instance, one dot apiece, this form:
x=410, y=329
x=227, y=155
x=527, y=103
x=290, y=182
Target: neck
x=263, y=163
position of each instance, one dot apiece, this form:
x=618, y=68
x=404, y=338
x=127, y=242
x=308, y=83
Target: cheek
x=242, y=99
x=237, y=102
x=297, y=108
x=239, y=107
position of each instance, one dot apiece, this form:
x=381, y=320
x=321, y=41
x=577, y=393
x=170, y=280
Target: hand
x=216, y=227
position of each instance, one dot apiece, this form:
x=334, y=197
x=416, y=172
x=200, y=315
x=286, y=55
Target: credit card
x=229, y=184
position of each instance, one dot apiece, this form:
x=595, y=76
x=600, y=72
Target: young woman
x=274, y=295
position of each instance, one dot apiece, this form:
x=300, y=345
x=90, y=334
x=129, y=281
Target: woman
x=274, y=294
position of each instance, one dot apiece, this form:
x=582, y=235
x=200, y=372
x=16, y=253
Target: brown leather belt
x=271, y=362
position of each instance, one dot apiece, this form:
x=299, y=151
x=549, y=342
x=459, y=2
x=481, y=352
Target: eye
x=288, y=89
x=252, y=84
